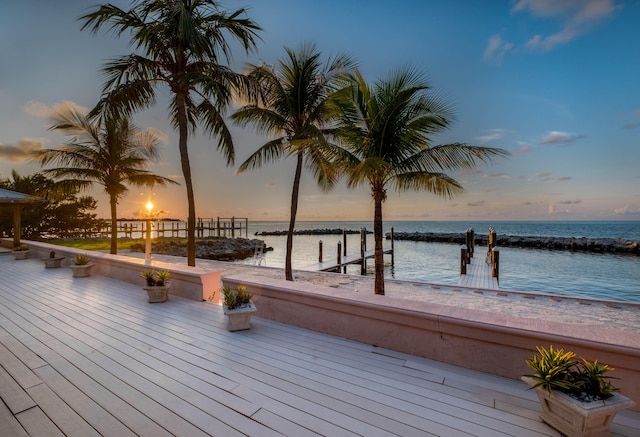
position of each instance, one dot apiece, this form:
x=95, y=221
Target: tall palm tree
x=386, y=130
x=181, y=42
x=111, y=153
x=292, y=107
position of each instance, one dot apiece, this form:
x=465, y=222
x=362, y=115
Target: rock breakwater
x=335, y=231
x=609, y=245
x=220, y=249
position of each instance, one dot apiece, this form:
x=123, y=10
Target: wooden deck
x=89, y=356
x=478, y=274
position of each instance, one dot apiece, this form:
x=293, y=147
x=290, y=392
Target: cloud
x=496, y=175
x=42, y=110
x=557, y=137
x=570, y=202
x=496, y=49
x=635, y=120
x=576, y=17
x=521, y=151
x=627, y=210
x=544, y=174
x=467, y=172
x=21, y=151
x=478, y=203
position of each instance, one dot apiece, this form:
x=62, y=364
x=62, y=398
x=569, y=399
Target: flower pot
x=21, y=254
x=158, y=293
x=239, y=319
x=81, y=271
x=52, y=263
x=575, y=418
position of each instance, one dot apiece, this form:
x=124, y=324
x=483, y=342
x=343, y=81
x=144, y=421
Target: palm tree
x=386, y=131
x=292, y=107
x=111, y=153
x=181, y=41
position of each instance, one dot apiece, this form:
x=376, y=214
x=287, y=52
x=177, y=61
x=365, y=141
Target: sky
x=555, y=83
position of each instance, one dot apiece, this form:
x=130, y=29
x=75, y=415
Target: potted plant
x=238, y=308
x=576, y=395
x=81, y=267
x=158, y=285
x=21, y=251
x=53, y=261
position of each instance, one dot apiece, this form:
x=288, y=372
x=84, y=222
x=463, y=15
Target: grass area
x=95, y=244
x=105, y=243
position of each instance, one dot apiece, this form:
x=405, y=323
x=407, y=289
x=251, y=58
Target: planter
x=81, y=271
x=21, y=254
x=239, y=319
x=575, y=418
x=52, y=263
x=158, y=293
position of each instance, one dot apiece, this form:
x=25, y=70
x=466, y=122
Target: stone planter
x=158, y=293
x=577, y=419
x=52, y=263
x=81, y=271
x=21, y=254
x=239, y=319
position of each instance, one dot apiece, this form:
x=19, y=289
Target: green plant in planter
x=21, y=248
x=81, y=260
x=237, y=298
x=52, y=254
x=150, y=277
x=584, y=380
x=162, y=277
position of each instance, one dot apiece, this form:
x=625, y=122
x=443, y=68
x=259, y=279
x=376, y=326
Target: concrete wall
x=189, y=282
x=481, y=340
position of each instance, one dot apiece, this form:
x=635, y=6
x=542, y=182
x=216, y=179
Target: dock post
x=463, y=259
x=363, y=247
x=392, y=249
x=492, y=237
x=320, y=251
x=339, y=255
x=472, y=242
x=233, y=227
x=495, y=263
x=344, y=242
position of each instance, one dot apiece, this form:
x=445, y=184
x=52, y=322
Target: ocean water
x=604, y=276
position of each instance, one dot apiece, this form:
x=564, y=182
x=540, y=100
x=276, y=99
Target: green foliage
x=58, y=214
x=81, y=260
x=237, y=298
x=556, y=369
x=21, y=248
x=156, y=278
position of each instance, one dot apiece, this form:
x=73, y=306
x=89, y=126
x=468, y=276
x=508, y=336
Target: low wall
x=481, y=340
x=189, y=282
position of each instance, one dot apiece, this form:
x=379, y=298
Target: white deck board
x=90, y=356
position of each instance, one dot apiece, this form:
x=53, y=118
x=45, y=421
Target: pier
x=482, y=270
x=342, y=259
x=205, y=227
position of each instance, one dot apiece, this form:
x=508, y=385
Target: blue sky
x=553, y=82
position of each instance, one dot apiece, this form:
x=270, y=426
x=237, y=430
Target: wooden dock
x=478, y=274
x=335, y=265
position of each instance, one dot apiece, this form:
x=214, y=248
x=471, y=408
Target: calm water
x=560, y=272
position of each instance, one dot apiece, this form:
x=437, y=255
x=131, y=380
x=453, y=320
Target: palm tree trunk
x=114, y=224
x=288, y=271
x=186, y=171
x=378, y=254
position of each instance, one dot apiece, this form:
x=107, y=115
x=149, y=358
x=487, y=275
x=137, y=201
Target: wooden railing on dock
x=205, y=227
x=483, y=271
x=342, y=259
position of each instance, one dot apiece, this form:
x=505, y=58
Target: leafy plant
x=237, y=298
x=150, y=277
x=81, y=260
x=556, y=369
x=21, y=248
x=162, y=277
x=52, y=254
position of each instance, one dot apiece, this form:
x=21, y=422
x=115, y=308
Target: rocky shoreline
x=605, y=245
x=335, y=231
x=219, y=249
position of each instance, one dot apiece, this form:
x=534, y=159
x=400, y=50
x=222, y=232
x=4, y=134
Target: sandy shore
x=581, y=311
